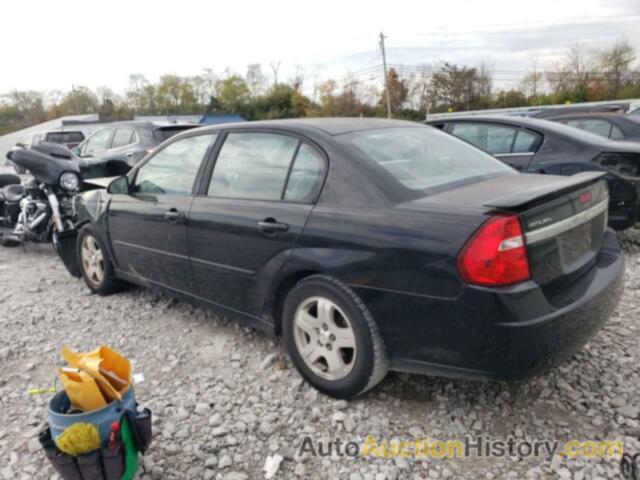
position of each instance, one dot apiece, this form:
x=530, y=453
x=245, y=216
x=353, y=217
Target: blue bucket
x=101, y=418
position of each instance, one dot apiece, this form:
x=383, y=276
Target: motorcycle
x=42, y=208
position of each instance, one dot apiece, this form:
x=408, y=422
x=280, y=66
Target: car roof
x=328, y=125
x=608, y=115
x=545, y=126
x=532, y=123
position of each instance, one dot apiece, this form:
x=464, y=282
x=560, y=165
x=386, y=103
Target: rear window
x=423, y=158
x=65, y=137
x=163, y=133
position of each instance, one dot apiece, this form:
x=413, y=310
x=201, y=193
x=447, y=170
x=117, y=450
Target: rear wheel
x=332, y=338
x=95, y=264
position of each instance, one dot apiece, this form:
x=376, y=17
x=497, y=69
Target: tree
x=398, y=91
x=233, y=93
x=256, y=80
x=510, y=99
x=571, y=78
x=135, y=92
x=282, y=101
x=29, y=104
x=79, y=100
x=531, y=85
x=460, y=88
x=336, y=101
x=615, y=63
x=175, y=95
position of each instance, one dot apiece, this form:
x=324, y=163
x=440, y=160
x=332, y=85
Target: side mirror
x=119, y=185
x=20, y=144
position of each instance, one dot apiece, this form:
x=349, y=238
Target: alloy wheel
x=92, y=260
x=324, y=338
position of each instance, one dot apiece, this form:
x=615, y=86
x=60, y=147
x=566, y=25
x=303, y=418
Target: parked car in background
x=368, y=244
x=539, y=146
x=68, y=138
x=614, y=126
x=129, y=141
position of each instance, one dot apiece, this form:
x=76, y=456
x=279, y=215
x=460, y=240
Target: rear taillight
x=496, y=253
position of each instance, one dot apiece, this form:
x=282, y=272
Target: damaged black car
x=367, y=244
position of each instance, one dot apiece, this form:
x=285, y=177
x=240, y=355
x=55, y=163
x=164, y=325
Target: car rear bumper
x=623, y=216
x=509, y=333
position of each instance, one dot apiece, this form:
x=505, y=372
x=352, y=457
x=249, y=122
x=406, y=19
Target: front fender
x=65, y=245
x=89, y=208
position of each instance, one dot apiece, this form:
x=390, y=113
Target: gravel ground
x=225, y=397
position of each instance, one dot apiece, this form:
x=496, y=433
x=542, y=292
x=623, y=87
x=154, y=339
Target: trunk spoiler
x=556, y=185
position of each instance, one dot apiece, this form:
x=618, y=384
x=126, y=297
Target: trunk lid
x=563, y=218
x=564, y=233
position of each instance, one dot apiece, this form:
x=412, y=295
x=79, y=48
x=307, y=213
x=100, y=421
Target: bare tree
x=533, y=80
x=615, y=63
x=275, y=68
x=297, y=81
x=255, y=79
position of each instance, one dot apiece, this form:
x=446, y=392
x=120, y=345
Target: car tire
x=332, y=338
x=95, y=263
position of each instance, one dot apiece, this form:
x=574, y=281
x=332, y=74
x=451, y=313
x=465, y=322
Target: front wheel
x=95, y=264
x=332, y=338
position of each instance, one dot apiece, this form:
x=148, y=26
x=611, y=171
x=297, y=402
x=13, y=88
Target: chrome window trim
x=562, y=226
x=513, y=154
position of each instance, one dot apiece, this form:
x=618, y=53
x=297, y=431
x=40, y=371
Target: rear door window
x=306, y=176
x=253, y=165
x=592, y=125
x=122, y=137
x=526, y=142
x=495, y=139
x=616, y=133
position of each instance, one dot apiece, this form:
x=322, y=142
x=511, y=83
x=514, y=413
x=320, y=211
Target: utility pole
x=386, y=77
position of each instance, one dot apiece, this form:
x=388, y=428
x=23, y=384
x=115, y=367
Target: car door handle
x=174, y=216
x=270, y=226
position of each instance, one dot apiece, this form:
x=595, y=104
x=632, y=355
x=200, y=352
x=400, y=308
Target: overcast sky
x=47, y=45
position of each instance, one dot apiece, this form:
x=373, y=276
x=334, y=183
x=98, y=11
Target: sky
x=47, y=45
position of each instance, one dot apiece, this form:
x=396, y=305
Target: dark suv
x=129, y=141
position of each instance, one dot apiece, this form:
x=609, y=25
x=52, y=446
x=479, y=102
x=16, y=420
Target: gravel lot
x=225, y=397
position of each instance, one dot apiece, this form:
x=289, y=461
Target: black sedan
x=615, y=126
x=540, y=146
x=367, y=244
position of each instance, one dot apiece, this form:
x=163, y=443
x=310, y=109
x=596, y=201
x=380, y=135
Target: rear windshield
x=163, y=133
x=423, y=158
x=65, y=137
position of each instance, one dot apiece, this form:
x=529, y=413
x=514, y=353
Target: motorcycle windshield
x=46, y=163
